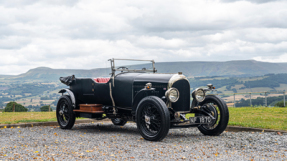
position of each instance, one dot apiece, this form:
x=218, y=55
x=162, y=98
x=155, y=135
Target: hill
x=229, y=68
x=44, y=74
x=190, y=69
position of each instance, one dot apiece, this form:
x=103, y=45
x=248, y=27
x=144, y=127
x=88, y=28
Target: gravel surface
x=104, y=141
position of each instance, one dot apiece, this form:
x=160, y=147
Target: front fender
x=71, y=94
x=140, y=95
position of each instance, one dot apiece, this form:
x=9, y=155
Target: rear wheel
x=119, y=121
x=65, y=115
x=219, y=110
x=153, y=118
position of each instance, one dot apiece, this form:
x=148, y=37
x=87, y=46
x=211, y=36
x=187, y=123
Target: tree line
x=272, y=81
x=14, y=106
x=260, y=101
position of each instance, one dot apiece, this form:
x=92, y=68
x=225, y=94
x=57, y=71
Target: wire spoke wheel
x=215, y=112
x=218, y=109
x=64, y=112
x=153, y=118
x=150, y=119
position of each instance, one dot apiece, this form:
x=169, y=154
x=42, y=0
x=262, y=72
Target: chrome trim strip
x=175, y=78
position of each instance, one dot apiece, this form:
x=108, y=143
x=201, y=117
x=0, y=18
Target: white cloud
x=276, y=59
x=85, y=33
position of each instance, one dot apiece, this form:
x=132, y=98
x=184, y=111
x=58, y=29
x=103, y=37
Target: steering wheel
x=122, y=67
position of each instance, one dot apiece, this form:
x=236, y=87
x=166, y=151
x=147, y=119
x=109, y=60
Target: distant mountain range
x=190, y=69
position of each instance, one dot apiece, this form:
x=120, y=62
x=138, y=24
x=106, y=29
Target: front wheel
x=153, y=118
x=219, y=110
x=65, y=115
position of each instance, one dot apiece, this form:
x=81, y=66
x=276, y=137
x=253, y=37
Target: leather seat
x=101, y=80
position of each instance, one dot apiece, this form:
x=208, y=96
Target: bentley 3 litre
x=155, y=101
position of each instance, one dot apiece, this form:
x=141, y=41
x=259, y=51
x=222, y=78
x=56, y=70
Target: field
x=247, y=97
x=258, y=117
x=21, y=117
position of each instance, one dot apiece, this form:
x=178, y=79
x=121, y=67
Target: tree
x=18, y=107
x=44, y=108
x=280, y=104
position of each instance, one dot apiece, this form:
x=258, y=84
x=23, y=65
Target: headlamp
x=172, y=94
x=199, y=94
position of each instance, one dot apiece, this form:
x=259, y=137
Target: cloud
x=85, y=33
x=277, y=59
x=253, y=1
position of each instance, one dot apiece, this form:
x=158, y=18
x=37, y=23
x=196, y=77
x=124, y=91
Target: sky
x=84, y=34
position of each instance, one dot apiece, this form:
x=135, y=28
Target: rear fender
x=71, y=94
x=140, y=95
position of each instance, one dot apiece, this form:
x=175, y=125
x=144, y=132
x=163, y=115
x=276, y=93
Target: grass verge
x=22, y=117
x=259, y=117
x=26, y=117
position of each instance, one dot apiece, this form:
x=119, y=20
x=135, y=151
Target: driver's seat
x=101, y=80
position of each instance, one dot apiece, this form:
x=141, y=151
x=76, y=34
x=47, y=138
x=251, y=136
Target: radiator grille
x=183, y=103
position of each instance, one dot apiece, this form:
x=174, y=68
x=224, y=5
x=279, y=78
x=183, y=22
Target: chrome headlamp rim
x=168, y=92
x=196, y=91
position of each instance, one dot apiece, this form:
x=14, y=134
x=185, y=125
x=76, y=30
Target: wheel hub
x=147, y=119
x=61, y=112
x=213, y=112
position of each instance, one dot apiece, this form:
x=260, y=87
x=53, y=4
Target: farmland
x=30, y=95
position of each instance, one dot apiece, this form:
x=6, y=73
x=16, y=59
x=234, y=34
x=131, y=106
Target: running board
x=90, y=108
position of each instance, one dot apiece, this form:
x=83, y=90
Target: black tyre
x=220, y=111
x=153, y=118
x=119, y=121
x=65, y=115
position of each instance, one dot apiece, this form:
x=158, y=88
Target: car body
x=155, y=101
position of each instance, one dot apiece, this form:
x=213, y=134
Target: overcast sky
x=84, y=34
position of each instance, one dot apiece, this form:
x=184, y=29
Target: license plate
x=200, y=120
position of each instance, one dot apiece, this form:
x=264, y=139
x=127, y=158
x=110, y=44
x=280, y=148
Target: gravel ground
x=104, y=141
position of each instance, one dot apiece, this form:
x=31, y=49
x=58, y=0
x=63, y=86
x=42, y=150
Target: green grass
x=26, y=117
x=259, y=117
x=22, y=117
